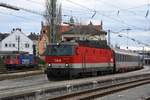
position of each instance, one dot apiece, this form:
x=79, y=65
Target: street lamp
x=128, y=29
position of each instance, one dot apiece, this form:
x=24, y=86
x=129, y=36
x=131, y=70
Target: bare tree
x=53, y=19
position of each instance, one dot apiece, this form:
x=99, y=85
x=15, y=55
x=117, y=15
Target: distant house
x=42, y=43
x=85, y=32
x=45, y=30
x=44, y=36
x=16, y=41
x=35, y=38
x=70, y=31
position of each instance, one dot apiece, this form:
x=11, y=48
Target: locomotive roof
x=94, y=44
x=125, y=52
x=65, y=43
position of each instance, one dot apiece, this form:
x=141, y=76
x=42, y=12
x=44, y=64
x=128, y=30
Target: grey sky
x=115, y=14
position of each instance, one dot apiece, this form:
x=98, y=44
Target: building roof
x=3, y=36
x=33, y=36
x=86, y=29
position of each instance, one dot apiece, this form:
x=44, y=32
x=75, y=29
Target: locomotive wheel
x=48, y=77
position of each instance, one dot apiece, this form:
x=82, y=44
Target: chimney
x=19, y=29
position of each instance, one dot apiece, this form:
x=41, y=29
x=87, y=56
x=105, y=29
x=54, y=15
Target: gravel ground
x=42, y=81
x=23, y=82
x=137, y=93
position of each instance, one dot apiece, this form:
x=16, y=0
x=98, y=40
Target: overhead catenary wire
x=120, y=21
x=133, y=39
x=35, y=2
x=20, y=8
x=21, y=17
x=119, y=9
x=147, y=12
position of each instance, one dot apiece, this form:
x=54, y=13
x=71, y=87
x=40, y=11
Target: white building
x=16, y=41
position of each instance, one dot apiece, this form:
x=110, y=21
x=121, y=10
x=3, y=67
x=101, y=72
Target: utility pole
x=109, y=43
x=128, y=29
x=53, y=22
x=18, y=43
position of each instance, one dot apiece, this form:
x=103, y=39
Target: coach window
x=129, y=58
x=116, y=56
x=132, y=58
x=119, y=57
x=123, y=57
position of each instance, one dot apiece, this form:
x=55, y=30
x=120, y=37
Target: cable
x=120, y=21
x=24, y=9
x=35, y=2
x=139, y=42
x=15, y=16
x=119, y=8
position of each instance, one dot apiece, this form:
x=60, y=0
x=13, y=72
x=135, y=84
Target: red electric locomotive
x=88, y=58
x=77, y=59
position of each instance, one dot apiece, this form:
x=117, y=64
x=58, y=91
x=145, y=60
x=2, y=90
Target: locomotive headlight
x=49, y=65
x=66, y=65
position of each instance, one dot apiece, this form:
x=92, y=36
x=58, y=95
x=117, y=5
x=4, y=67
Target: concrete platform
x=19, y=74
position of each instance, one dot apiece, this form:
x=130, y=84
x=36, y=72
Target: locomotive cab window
x=60, y=50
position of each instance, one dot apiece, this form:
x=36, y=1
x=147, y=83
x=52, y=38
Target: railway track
x=99, y=91
x=21, y=70
x=76, y=90
x=7, y=71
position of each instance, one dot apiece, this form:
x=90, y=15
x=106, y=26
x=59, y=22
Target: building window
x=6, y=45
x=13, y=45
x=9, y=45
x=27, y=45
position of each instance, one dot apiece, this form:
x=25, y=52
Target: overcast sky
x=117, y=15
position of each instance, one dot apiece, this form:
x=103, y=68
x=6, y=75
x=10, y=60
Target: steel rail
x=102, y=91
x=65, y=90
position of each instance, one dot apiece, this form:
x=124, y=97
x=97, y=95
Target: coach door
x=84, y=60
